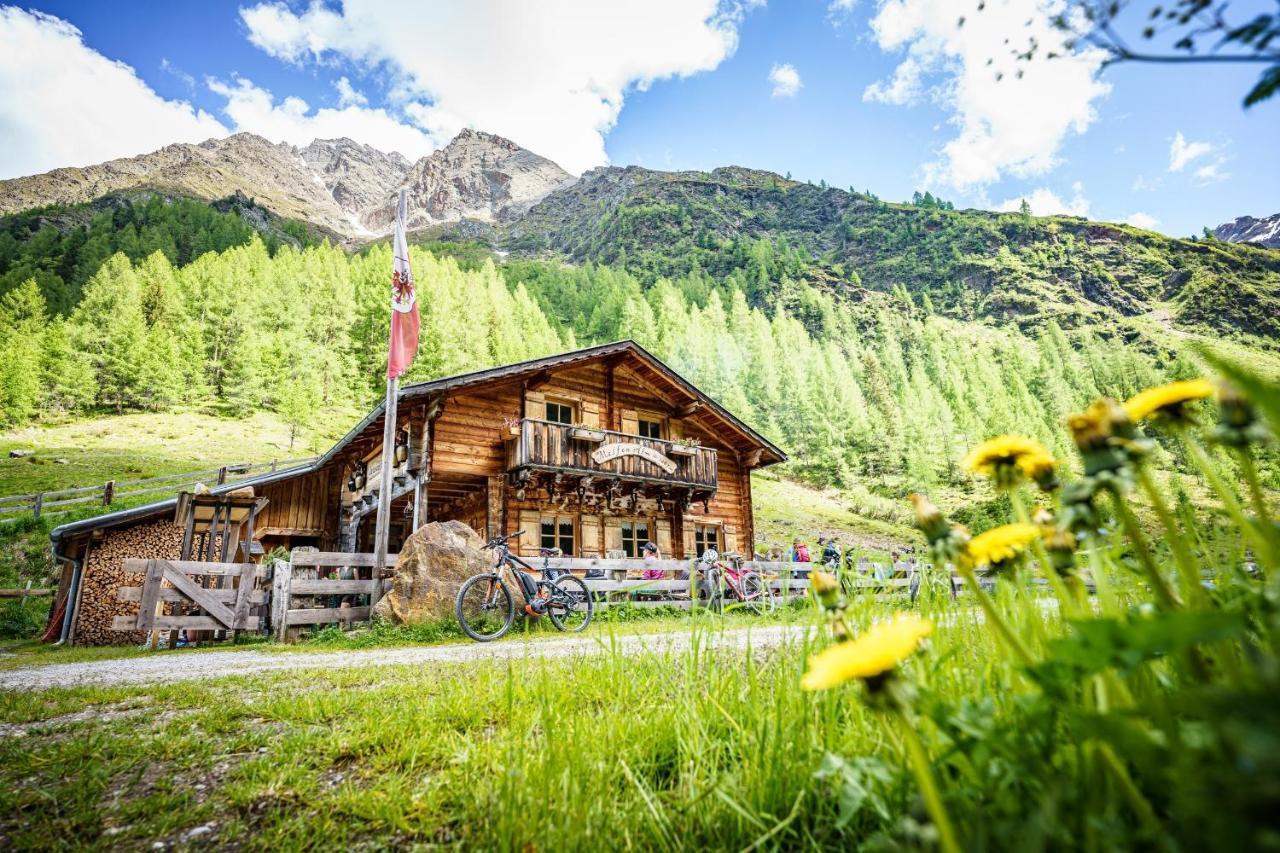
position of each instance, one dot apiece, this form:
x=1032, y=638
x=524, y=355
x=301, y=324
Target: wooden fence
x=301, y=595
x=223, y=596
x=300, y=578
x=40, y=503
x=301, y=591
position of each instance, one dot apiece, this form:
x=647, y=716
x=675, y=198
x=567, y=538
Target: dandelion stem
x=1160, y=586
x=994, y=617
x=1228, y=497
x=1101, y=583
x=1046, y=566
x=1259, y=500
x=1182, y=555
x=1137, y=801
x=928, y=787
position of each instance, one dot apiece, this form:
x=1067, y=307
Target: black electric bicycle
x=486, y=608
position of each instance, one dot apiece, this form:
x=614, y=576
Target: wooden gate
x=225, y=608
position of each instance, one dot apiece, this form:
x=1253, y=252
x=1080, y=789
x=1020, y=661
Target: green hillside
x=874, y=342
x=970, y=264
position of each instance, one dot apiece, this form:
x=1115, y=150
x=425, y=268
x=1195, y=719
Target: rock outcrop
x=434, y=561
x=476, y=176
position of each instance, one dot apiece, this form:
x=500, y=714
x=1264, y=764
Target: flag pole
x=384, y=490
x=382, y=530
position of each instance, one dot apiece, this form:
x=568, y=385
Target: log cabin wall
x=299, y=508
x=470, y=445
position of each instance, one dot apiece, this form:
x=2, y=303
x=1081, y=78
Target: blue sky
x=886, y=95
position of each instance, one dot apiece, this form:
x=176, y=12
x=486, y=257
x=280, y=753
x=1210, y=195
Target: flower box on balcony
x=587, y=434
x=683, y=450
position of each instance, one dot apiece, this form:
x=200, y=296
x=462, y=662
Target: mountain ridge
x=1264, y=232
x=340, y=185
x=733, y=220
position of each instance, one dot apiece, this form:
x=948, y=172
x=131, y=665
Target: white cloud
x=841, y=6
x=552, y=76
x=1045, y=202
x=785, y=80
x=1181, y=152
x=904, y=88
x=347, y=94
x=65, y=104
x=291, y=120
x=1016, y=124
x=1142, y=220
x=1211, y=173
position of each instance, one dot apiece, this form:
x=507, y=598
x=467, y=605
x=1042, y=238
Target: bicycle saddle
x=550, y=552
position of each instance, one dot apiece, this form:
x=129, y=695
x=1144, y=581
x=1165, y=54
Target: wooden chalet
x=593, y=452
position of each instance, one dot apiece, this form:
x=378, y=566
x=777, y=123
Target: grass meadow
x=1108, y=680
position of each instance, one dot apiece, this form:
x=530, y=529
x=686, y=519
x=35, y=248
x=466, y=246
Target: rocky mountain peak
x=1247, y=229
x=477, y=175
x=340, y=185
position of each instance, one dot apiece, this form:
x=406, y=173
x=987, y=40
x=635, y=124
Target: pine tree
x=22, y=319
x=109, y=326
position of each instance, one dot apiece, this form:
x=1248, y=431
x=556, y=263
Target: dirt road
x=198, y=665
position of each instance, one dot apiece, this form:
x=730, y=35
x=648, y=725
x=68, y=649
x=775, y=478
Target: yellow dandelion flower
x=1002, y=458
x=1167, y=400
x=827, y=588
x=1000, y=544
x=875, y=652
x=1038, y=465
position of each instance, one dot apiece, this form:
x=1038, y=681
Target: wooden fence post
x=39, y=504
x=108, y=492
x=222, y=475
x=281, y=582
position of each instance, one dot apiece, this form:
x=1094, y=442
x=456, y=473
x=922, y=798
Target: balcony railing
x=546, y=446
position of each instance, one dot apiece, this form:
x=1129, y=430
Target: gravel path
x=209, y=665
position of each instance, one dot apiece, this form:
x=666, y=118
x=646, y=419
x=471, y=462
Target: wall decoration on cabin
x=615, y=451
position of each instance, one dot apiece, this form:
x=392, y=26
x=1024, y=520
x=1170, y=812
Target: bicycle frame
x=733, y=579
x=507, y=560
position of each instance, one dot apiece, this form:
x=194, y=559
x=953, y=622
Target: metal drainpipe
x=74, y=588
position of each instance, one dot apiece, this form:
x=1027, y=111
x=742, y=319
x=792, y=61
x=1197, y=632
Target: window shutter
x=531, y=524
x=535, y=405
x=675, y=429
x=664, y=538
x=590, y=536
x=591, y=415
x=731, y=539
x=690, y=546
x=612, y=535
x=630, y=422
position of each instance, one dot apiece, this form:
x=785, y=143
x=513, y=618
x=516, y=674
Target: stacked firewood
x=104, y=573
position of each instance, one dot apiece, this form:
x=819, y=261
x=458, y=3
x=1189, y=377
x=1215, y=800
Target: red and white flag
x=404, y=301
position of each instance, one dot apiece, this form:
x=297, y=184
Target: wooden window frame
x=557, y=537
x=560, y=402
x=656, y=418
x=699, y=530
x=637, y=543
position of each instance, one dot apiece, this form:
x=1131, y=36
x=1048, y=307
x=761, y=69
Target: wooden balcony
x=546, y=446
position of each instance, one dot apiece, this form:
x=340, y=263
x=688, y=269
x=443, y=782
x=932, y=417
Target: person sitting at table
x=650, y=552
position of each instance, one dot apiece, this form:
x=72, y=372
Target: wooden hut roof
x=638, y=358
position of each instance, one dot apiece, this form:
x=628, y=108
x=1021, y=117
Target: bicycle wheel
x=756, y=594
x=570, y=607
x=485, y=608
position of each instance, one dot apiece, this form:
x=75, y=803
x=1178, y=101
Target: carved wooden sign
x=608, y=452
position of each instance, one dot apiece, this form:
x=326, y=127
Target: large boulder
x=434, y=562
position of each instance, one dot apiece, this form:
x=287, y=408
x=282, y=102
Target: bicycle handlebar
x=502, y=540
